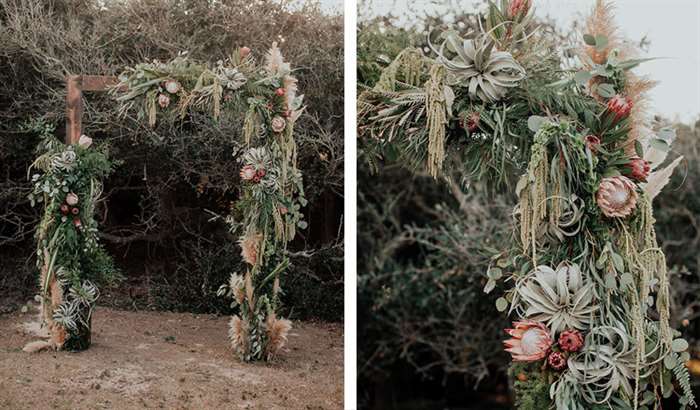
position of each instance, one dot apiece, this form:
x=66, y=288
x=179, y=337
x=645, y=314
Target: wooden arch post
x=75, y=85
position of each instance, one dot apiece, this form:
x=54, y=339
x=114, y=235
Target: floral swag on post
x=69, y=257
x=266, y=215
x=585, y=277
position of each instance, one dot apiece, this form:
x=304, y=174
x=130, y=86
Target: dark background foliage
x=158, y=208
x=429, y=338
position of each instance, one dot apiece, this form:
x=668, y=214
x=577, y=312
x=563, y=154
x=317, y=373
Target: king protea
x=530, y=341
x=617, y=196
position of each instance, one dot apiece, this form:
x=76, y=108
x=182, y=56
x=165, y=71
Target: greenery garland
x=266, y=216
x=584, y=278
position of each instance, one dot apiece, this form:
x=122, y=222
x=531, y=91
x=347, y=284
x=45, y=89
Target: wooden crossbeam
x=75, y=85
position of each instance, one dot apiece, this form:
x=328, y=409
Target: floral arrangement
x=584, y=278
x=267, y=213
x=70, y=259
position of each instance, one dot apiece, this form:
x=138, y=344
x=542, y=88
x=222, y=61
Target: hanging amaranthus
x=437, y=118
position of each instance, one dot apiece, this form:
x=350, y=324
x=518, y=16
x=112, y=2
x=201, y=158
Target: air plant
x=477, y=66
x=561, y=298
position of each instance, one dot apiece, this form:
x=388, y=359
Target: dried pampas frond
x=275, y=62
x=290, y=91
x=238, y=334
x=38, y=346
x=636, y=90
x=601, y=23
x=249, y=247
x=277, y=332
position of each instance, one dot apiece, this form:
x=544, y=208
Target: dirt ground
x=156, y=360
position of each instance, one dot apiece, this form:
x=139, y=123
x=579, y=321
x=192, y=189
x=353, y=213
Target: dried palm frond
x=561, y=298
x=277, y=332
x=659, y=179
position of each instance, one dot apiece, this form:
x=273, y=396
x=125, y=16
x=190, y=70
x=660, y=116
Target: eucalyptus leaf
x=501, y=304
x=679, y=345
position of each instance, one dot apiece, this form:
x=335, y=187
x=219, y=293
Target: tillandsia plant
x=268, y=211
x=585, y=278
x=70, y=259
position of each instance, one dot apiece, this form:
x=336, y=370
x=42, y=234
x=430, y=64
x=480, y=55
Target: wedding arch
x=584, y=277
x=69, y=178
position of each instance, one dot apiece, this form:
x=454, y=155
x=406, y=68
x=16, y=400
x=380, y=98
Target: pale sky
x=672, y=26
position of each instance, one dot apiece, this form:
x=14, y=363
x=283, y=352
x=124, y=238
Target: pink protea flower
x=65, y=209
x=163, y=100
x=620, y=107
x=557, y=360
x=638, y=169
x=592, y=142
x=85, y=141
x=571, y=340
x=75, y=211
x=617, y=196
x=249, y=247
x=278, y=124
x=470, y=122
x=518, y=8
x=530, y=341
x=172, y=86
x=280, y=92
x=77, y=223
x=243, y=52
x=247, y=173
x=72, y=199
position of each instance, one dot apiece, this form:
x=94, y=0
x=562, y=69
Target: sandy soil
x=154, y=360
